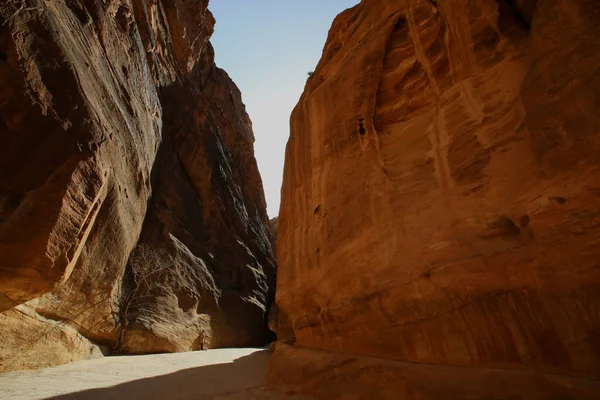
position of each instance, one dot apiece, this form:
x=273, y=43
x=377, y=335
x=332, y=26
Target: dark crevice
x=520, y=16
x=515, y=10
x=8, y=205
x=559, y=200
x=80, y=11
x=361, y=127
x=123, y=17
x=503, y=227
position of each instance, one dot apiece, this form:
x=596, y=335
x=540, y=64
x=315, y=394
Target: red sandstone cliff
x=441, y=203
x=118, y=132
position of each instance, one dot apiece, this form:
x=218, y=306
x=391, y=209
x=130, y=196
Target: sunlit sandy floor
x=236, y=374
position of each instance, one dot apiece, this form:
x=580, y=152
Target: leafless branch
x=11, y=8
x=152, y=272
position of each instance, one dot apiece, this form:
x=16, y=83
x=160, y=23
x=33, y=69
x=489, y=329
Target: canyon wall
x=132, y=214
x=441, y=201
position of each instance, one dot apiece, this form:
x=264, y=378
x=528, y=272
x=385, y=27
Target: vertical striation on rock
x=440, y=200
x=119, y=132
x=278, y=320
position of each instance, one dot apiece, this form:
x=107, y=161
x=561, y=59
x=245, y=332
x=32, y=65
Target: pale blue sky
x=268, y=47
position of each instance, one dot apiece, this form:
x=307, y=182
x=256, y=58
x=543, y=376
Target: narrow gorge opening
x=270, y=50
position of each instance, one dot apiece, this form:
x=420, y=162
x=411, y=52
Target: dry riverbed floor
x=224, y=374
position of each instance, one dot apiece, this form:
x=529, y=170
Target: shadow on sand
x=194, y=383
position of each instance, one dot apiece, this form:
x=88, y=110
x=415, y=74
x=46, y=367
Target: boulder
x=32, y=341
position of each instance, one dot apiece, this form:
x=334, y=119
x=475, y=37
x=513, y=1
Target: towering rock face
x=222, y=244
x=119, y=133
x=440, y=202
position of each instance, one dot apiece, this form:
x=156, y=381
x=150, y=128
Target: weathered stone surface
x=75, y=106
x=31, y=341
x=116, y=125
x=331, y=376
x=440, y=200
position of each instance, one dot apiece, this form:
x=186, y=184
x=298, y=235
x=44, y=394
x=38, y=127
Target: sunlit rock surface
x=440, y=202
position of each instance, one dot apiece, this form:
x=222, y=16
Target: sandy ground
x=226, y=374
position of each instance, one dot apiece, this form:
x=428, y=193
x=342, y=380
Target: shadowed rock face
x=440, y=200
x=278, y=320
x=116, y=127
x=222, y=243
x=274, y=223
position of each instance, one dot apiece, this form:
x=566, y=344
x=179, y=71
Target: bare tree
x=148, y=274
x=152, y=273
x=10, y=8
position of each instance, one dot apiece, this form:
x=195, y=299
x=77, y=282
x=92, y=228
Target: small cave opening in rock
x=361, y=127
x=514, y=20
x=9, y=204
x=317, y=210
x=558, y=199
x=281, y=80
